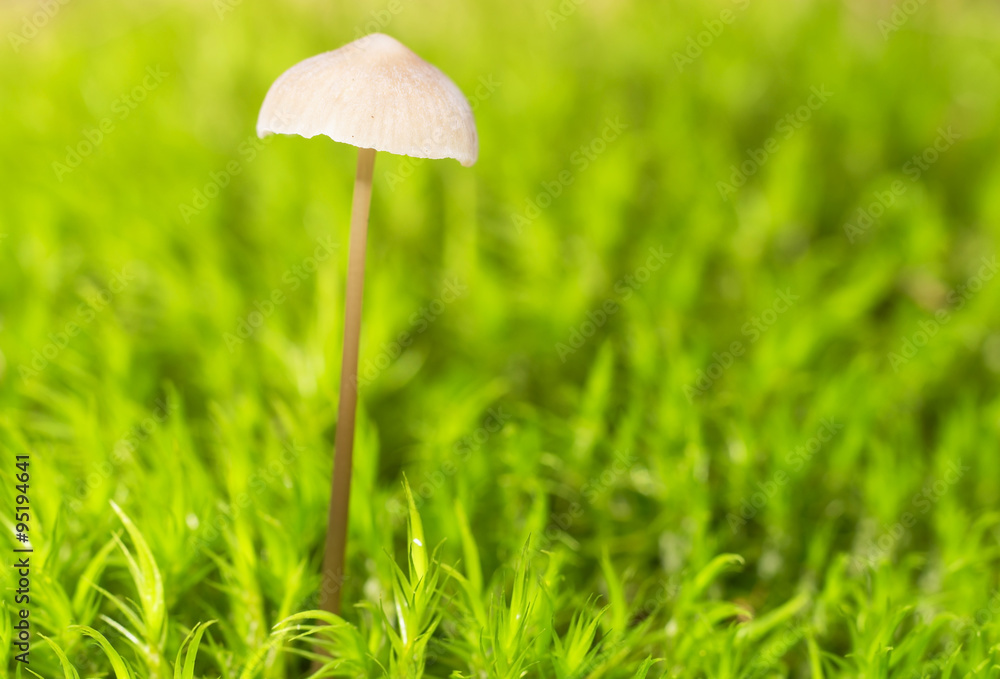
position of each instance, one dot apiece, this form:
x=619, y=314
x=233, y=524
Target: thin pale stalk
x=336, y=538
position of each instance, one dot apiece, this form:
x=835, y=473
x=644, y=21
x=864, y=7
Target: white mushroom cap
x=373, y=93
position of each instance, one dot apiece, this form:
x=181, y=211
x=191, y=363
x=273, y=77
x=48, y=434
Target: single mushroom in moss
x=377, y=95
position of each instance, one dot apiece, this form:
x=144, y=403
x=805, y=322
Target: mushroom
x=377, y=95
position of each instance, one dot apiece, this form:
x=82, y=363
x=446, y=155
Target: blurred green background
x=723, y=282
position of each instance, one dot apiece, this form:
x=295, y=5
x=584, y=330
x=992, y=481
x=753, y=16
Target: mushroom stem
x=336, y=537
